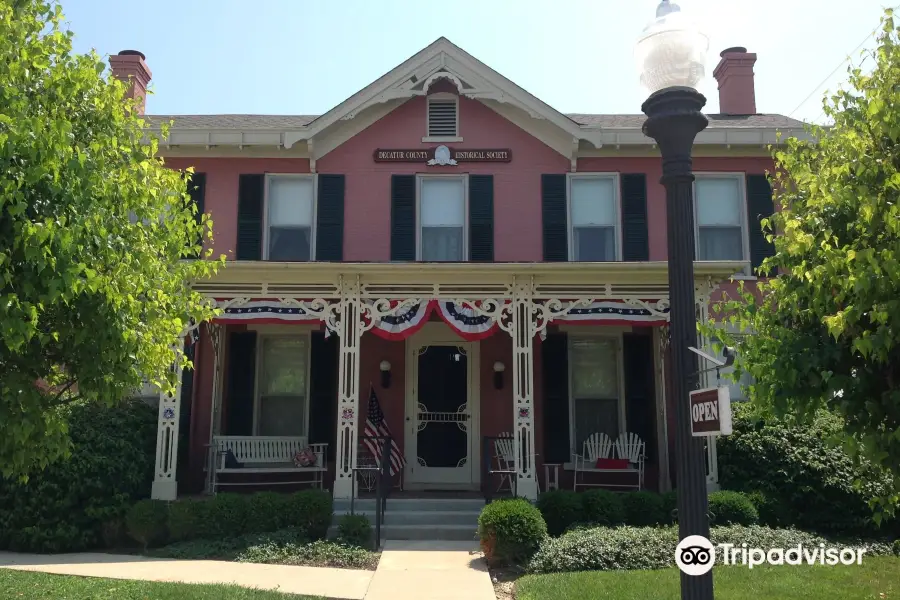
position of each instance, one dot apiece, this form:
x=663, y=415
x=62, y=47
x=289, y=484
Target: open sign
x=711, y=412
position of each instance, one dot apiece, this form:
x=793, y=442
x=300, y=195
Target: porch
x=454, y=355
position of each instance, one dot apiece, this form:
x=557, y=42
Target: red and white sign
x=711, y=412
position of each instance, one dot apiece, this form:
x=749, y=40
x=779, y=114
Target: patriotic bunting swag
x=462, y=318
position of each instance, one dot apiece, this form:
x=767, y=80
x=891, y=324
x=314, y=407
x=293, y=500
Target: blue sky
x=305, y=56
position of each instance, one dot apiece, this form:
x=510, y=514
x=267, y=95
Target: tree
x=825, y=333
x=94, y=291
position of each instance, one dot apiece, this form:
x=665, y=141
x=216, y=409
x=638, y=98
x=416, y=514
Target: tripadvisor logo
x=696, y=555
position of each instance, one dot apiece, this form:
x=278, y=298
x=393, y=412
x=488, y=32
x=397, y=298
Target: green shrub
x=510, y=531
x=316, y=554
x=311, y=511
x=643, y=509
x=670, y=507
x=897, y=547
x=561, y=509
x=267, y=511
x=602, y=507
x=229, y=548
x=807, y=481
x=71, y=504
x=221, y=516
x=731, y=508
x=355, y=530
x=772, y=513
x=146, y=522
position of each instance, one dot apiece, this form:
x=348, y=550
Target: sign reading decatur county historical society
x=443, y=156
x=711, y=412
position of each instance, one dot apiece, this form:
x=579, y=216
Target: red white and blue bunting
x=612, y=312
x=462, y=319
x=264, y=311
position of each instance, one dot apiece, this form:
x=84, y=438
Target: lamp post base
x=674, y=119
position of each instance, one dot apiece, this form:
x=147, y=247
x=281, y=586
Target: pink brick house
x=482, y=262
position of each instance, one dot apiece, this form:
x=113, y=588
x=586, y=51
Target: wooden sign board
x=711, y=412
x=443, y=156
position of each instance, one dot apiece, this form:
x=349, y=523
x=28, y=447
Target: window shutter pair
x=481, y=218
x=640, y=398
x=759, y=205
x=241, y=386
x=555, y=213
x=329, y=217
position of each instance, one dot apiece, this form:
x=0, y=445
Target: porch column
x=164, y=485
x=349, y=329
x=523, y=333
x=216, y=335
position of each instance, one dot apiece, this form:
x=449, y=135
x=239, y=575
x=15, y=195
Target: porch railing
x=383, y=486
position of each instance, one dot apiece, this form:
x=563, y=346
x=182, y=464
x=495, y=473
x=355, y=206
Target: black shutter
x=640, y=397
x=635, y=238
x=403, y=217
x=481, y=218
x=323, y=384
x=330, y=218
x=555, y=217
x=250, y=217
x=759, y=206
x=555, y=355
x=241, y=382
x=196, y=187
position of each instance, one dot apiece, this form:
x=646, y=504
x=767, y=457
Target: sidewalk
x=407, y=570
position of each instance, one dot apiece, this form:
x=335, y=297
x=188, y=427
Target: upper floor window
x=720, y=216
x=288, y=231
x=443, y=115
x=593, y=218
x=442, y=218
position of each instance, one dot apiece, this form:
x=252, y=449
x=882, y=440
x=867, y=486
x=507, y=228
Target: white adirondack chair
x=630, y=447
x=597, y=445
x=506, y=459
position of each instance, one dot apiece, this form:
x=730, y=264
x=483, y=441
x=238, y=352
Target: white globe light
x=671, y=50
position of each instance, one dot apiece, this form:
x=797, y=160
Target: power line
x=840, y=64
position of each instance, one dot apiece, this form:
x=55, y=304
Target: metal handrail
x=383, y=487
x=487, y=470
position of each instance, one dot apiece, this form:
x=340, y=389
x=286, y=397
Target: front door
x=442, y=411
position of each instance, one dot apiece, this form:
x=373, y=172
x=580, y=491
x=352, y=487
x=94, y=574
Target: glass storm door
x=439, y=417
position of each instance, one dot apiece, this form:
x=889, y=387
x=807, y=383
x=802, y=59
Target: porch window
x=596, y=405
x=593, y=207
x=442, y=219
x=721, y=227
x=282, y=406
x=289, y=213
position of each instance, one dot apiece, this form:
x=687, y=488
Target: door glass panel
x=442, y=439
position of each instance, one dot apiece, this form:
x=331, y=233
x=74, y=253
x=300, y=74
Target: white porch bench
x=266, y=454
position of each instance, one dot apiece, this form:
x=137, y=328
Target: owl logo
x=442, y=157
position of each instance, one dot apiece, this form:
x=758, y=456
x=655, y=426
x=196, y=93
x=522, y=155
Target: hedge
x=510, y=531
x=79, y=503
x=797, y=478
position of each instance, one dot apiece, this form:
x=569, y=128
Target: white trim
x=465, y=241
x=617, y=192
x=272, y=331
x=620, y=368
x=313, y=216
x=441, y=139
x=441, y=97
x=745, y=227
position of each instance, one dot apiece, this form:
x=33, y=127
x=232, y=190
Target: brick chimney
x=737, y=92
x=129, y=66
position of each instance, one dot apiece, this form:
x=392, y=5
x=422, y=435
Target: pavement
x=408, y=570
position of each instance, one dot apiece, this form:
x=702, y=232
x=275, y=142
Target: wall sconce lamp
x=499, y=367
x=385, y=367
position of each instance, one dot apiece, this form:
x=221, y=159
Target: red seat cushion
x=612, y=463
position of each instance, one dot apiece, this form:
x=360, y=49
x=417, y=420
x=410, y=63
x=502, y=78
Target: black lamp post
x=671, y=55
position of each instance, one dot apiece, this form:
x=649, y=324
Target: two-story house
x=480, y=261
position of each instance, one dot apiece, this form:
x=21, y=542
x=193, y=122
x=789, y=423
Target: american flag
x=377, y=426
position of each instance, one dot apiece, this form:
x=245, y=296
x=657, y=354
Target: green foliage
x=602, y=507
x=510, y=531
x=670, y=507
x=643, y=509
x=627, y=548
x=311, y=511
x=315, y=554
x=560, y=509
x=222, y=516
x=146, y=522
x=355, y=530
x=71, y=504
x=896, y=547
x=90, y=301
x=824, y=334
x=267, y=511
x=798, y=477
x=228, y=548
x=732, y=508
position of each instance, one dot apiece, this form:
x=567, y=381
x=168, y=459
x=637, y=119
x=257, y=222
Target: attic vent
x=442, y=117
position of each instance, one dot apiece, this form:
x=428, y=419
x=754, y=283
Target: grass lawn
x=875, y=576
x=26, y=585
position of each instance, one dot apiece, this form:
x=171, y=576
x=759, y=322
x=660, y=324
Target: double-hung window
x=720, y=217
x=594, y=218
x=282, y=404
x=442, y=218
x=289, y=217
x=597, y=399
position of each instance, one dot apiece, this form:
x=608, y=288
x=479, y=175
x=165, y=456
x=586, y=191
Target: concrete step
x=421, y=517
x=419, y=532
x=413, y=504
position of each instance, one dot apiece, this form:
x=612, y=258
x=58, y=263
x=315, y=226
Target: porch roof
x=564, y=280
